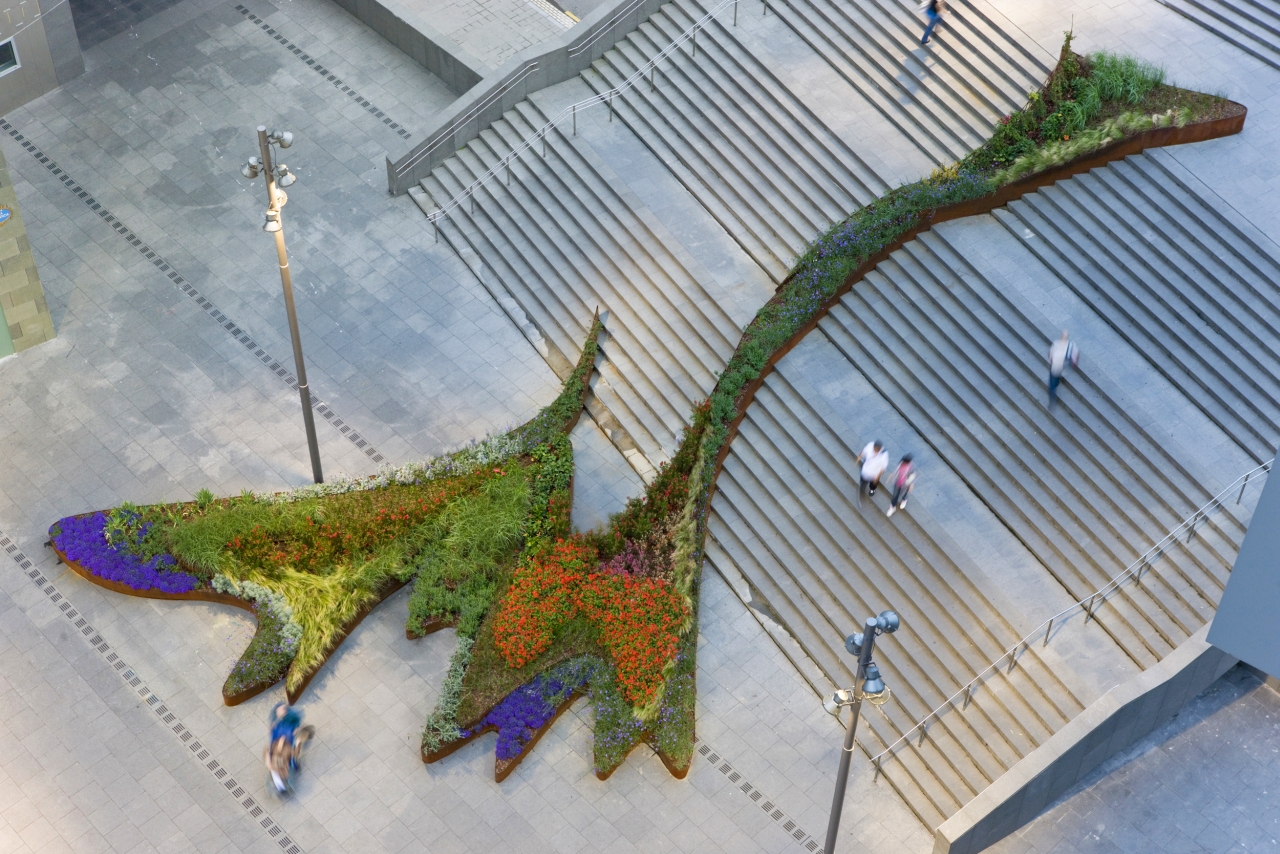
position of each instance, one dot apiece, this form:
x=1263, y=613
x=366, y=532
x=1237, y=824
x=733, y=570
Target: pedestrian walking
x=874, y=459
x=933, y=10
x=904, y=480
x=1063, y=353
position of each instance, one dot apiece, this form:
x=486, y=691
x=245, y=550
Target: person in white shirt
x=1062, y=353
x=874, y=459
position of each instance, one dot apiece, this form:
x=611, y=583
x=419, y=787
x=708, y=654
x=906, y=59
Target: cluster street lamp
x=873, y=691
x=277, y=177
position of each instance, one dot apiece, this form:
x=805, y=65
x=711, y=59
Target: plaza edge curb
x=227, y=599
x=1115, y=721
x=1154, y=138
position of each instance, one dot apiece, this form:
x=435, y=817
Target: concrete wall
x=48, y=51
x=1116, y=720
x=435, y=52
x=1245, y=623
x=528, y=71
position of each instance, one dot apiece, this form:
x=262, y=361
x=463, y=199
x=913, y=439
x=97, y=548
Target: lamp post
x=873, y=691
x=277, y=177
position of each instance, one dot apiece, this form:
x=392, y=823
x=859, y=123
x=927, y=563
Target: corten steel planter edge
x=1154, y=138
x=227, y=599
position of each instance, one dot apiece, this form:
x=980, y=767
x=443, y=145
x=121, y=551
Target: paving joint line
x=162, y=711
x=326, y=73
x=317, y=404
x=758, y=798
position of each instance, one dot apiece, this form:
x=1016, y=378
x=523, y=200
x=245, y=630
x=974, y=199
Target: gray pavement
x=1204, y=782
x=114, y=736
x=147, y=395
x=495, y=30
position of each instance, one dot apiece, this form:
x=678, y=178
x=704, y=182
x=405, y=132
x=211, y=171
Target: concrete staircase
x=1085, y=487
x=750, y=151
x=563, y=240
x=787, y=516
x=1251, y=25
x=944, y=97
x=1188, y=284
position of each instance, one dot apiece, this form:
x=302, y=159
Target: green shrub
x=1122, y=78
x=465, y=547
x=442, y=724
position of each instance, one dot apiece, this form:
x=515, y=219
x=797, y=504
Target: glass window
x=8, y=57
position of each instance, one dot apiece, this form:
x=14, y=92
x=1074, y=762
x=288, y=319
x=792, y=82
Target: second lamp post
x=277, y=177
x=872, y=690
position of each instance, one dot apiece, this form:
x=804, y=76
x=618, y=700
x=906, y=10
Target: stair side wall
x=1121, y=717
x=529, y=71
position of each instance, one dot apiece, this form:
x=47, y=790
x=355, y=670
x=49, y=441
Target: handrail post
x=435, y=227
x=508, y=171
x=923, y=729
x=1013, y=659
x=877, y=775
x=610, y=105
x=1192, y=532
x=575, y=119
x=1242, y=486
x=1048, y=632
x=766, y=8
x=1088, y=609
x=968, y=695
x=653, y=72
x=735, y=13
x=695, y=39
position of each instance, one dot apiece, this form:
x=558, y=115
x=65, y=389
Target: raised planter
x=1118, y=150
x=502, y=768
x=227, y=599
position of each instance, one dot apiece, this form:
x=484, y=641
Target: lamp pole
x=273, y=224
x=861, y=644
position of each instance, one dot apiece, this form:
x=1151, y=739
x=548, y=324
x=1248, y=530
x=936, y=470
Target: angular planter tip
x=227, y=599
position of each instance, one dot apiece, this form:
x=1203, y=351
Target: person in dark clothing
x=933, y=10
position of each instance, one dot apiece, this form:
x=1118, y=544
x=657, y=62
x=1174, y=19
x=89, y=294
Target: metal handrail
x=571, y=113
x=1098, y=596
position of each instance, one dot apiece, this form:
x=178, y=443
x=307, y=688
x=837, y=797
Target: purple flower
x=83, y=541
x=526, y=710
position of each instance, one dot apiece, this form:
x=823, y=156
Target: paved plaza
x=159, y=385
x=1204, y=782
x=172, y=373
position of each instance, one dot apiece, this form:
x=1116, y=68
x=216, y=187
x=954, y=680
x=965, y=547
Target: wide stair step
x=1084, y=487
x=752, y=154
x=1251, y=25
x=1176, y=278
x=787, y=515
x=562, y=241
x=945, y=97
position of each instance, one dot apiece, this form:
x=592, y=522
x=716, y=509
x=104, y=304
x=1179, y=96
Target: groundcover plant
x=544, y=614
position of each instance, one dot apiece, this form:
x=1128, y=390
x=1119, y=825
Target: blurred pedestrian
x=904, y=480
x=933, y=10
x=874, y=459
x=1063, y=353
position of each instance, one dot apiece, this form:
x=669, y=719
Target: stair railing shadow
x=570, y=113
x=1089, y=606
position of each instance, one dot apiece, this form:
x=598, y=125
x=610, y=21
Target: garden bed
x=1090, y=112
x=544, y=615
